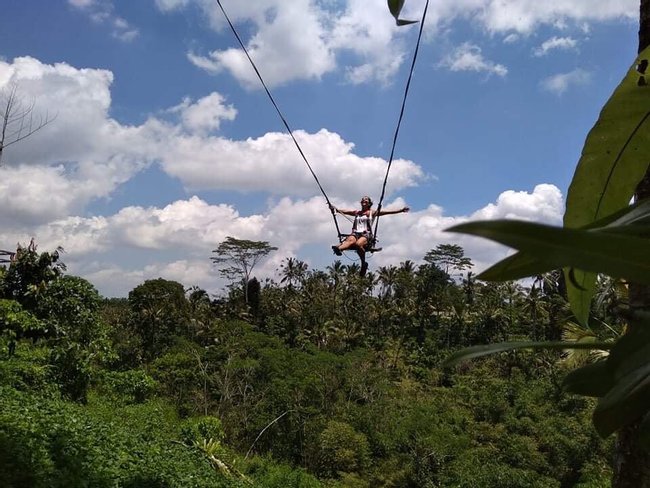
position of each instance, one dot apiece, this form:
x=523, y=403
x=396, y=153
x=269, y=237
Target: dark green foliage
x=159, y=313
x=50, y=443
x=29, y=274
x=17, y=323
x=132, y=386
x=71, y=304
x=342, y=450
x=70, y=369
x=333, y=377
x=178, y=377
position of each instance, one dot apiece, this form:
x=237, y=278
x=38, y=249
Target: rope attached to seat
x=284, y=121
x=290, y=132
x=401, y=115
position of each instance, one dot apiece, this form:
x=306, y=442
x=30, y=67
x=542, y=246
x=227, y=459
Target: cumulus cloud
x=369, y=33
x=206, y=114
x=289, y=43
x=469, y=57
x=271, y=163
x=84, y=154
x=545, y=204
x=175, y=242
x=305, y=39
x=524, y=16
x=426, y=228
x=102, y=12
x=555, y=43
x=561, y=82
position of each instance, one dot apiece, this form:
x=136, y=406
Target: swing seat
x=370, y=247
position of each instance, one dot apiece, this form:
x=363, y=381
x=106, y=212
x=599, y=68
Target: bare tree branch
x=18, y=119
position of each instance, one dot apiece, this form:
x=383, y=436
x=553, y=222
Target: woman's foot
x=337, y=251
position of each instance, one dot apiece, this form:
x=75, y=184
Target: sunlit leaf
x=614, y=159
x=632, y=220
x=484, y=350
x=620, y=256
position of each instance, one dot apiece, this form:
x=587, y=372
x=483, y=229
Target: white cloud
x=176, y=241
x=169, y=5
x=524, y=16
x=469, y=57
x=426, y=228
x=561, y=82
x=289, y=43
x=369, y=33
x=544, y=204
x=84, y=154
x=82, y=3
x=102, y=12
x=303, y=39
x=272, y=163
x=206, y=114
x=555, y=43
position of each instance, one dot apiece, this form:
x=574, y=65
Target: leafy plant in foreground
x=601, y=234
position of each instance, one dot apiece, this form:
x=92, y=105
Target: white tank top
x=363, y=222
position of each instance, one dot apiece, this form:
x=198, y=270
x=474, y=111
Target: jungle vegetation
x=324, y=378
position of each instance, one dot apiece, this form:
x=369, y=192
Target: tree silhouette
x=18, y=119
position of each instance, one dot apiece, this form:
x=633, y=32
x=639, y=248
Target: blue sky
x=164, y=142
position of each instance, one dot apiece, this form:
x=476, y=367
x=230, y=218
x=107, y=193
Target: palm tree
x=293, y=271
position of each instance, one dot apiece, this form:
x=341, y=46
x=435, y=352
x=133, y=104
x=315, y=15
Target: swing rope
x=290, y=132
x=284, y=121
x=401, y=115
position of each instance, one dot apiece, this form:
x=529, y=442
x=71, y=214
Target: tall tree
x=29, y=274
x=159, y=312
x=238, y=257
x=448, y=257
x=293, y=271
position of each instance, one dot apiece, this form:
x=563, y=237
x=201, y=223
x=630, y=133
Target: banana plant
x=601, y=234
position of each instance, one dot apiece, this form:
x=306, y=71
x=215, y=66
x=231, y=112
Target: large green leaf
x=484, y=350
x=594, y=380
x=629, y=366
x=614, y=159
x=514, y=267
x=618, y=255
x=628, y=400
x=633, y=220
x=395, y=7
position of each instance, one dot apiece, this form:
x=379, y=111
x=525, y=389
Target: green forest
x=324, y=378
x=533, y=373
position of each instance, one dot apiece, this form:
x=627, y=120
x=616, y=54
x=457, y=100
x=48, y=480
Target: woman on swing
x=361, y=238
